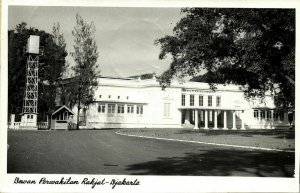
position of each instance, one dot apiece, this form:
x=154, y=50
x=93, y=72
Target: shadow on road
x=220, y=163
x=280, y=134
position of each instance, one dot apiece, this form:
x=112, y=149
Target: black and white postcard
x=150, y=96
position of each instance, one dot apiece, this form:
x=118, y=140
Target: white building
x=135, y=103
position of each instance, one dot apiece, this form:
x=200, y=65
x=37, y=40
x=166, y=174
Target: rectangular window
x=209, y=100
x=256, y=114
x=218, y=101
x=121, y=109
x=268, y=115
x=200, y=100
x=139, y=109
x=111, y=108
x=192, y=100
x=101, y=108
x=166, y=109
x=130, y=109
x=183, y=100
x=262, y=114
x=275, y=115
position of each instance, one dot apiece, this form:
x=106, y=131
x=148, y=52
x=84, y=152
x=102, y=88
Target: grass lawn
x=275, y=139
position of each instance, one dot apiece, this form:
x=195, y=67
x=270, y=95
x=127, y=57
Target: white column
x=187, y=116
x=196, y=119
x=233, y=120
x=272, y=116
x=205, y=120
x=225, y=120
x=216, y=119
x=272, y=119
x=193, y=115
x=259, y=115
x=242, y=119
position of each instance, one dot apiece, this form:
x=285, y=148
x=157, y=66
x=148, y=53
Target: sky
x=124, y=36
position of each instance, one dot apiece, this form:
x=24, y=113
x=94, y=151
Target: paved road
x=105, y=152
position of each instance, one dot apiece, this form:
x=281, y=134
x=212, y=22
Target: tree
x=49, y=69
x=85, y=56
x=254, y=48
x=54, y=69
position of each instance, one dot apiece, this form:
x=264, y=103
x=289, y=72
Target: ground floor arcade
x=235, y=119
x=214, y=118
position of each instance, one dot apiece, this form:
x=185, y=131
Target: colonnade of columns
x=215, y=121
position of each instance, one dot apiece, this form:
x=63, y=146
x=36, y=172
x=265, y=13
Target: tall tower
x=30, y=101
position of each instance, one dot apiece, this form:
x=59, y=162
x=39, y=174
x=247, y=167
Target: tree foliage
x=51, y=66
x=85, y=55
x=254, y=48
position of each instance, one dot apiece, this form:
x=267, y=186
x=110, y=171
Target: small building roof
x=60, y=108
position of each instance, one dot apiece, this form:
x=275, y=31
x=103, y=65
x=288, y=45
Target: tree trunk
x=78, y=111
x=78, y=108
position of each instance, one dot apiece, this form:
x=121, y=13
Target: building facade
x=135, y=103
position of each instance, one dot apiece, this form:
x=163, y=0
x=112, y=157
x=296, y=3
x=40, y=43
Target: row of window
x=200, y=102
x=111, y=108
x=267, y=114
x=109, y=96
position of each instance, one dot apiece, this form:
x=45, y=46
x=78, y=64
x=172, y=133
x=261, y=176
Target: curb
x=208, y=143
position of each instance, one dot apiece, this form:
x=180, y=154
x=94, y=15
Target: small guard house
x=61, y=118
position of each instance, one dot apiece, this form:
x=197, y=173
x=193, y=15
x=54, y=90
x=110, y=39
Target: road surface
x=105, y=152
